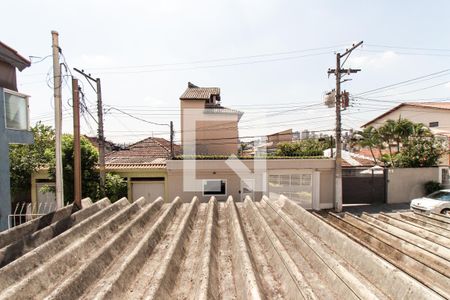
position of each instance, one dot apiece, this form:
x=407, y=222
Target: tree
x=370, y=138
x=27, y=159
x=388, y=134
x=115, y=187
x=89, y=174
x=416, y=145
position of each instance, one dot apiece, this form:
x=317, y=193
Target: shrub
x=432, y=186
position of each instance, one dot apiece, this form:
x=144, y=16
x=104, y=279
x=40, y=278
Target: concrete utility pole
x=338, y=162
x=172, y=154
x=57, y=83
x=101, y=136
x=76, y=144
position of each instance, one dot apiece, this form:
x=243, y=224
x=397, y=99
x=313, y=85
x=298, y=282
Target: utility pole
x=101, y=137
x=172, y=154
x=76, y=144
x=338, y=161
x=57, y=83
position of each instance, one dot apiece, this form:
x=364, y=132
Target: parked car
x=437, y=202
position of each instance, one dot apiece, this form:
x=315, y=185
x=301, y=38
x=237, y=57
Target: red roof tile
x=146, y=152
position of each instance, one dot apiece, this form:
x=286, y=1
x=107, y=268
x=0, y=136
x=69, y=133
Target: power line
x=402, y=82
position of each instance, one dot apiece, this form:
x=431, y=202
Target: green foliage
x=415, y=145
x=115, y=187
x=26, y=159
x=432, y=186
x=89, y=175
x=302, y=148
x=370, y=137
x=418, y=153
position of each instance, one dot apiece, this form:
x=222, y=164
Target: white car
x=437, y=202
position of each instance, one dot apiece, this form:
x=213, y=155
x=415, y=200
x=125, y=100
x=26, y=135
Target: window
x=434, y=124
x=214, y=187
x=16, y=111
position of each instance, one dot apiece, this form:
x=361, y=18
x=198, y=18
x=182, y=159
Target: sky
x=270, y=59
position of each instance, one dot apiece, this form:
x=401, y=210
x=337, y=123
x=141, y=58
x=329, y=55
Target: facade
x=142, y=165
x=279, y=137
x=434, y=115
x=308, y=182
x=213, y=128
x=14, y=121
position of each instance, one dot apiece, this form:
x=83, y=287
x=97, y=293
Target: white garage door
x=297, y=186
x=149, y=190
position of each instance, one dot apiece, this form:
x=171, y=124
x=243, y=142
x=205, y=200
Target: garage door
x=295, y=185
x=149, y=190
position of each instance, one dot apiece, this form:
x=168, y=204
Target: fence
x=25, y=212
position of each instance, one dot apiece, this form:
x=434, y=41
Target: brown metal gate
x=363, y=185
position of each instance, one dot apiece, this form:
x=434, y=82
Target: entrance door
x=149, y=190
x=247, y=188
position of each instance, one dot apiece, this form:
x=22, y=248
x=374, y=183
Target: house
x=434, y=115
x=14, y=121
x=142, y=165
x=109, y=146
x=279, y=137
x=207, y=127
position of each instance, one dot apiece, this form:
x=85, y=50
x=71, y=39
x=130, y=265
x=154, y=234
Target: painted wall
x=419, y=115
x=405, y=184
x=125, y=173
x=215, y=137
x=218, y=169
x=7, y=136
x=425, y=116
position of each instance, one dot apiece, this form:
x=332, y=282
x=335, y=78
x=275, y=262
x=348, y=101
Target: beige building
x=206, y=124
x=308, y=182
x=280, y=137
x=434, y=115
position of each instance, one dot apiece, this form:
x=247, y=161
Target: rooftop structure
x=224, y=250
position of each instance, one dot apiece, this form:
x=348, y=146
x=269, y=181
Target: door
x=149, y=190
x=247, y=188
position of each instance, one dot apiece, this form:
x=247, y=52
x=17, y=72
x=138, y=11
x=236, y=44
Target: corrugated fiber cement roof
x=224, y=250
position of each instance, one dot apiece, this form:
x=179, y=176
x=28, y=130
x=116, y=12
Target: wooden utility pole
x=76, y=144
x=57, y=84
x=101, y=136
x=172, y=154
x=338, y=161
x=101, y=139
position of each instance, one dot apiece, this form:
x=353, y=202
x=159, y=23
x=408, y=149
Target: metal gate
x=363, y=185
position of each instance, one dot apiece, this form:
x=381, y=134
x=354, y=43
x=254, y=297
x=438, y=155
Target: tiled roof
x=350, y=159
x=194, y=92
x=150, y=151
x=434, y=105
x=216, y=250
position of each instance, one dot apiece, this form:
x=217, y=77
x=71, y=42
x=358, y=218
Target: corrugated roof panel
x=222, y=250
